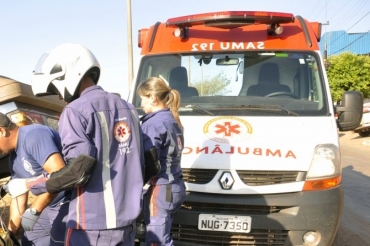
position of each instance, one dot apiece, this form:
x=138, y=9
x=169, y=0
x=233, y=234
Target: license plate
x=230, y=223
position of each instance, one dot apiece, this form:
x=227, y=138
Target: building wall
x=339, y=41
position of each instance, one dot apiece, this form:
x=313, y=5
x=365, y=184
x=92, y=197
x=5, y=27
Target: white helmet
x=60, y=73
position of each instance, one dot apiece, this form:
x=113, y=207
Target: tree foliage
x=349, y=72
x=211, y=86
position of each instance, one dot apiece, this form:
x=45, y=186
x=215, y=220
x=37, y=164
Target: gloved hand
x=16, y=187
x=29, y=220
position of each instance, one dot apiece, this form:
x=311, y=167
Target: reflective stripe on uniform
x=110, y=210
x=153, y=200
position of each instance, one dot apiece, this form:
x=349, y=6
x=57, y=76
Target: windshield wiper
x=200, y=108
x=267, y=107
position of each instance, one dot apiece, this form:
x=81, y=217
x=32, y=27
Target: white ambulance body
x=261, y=158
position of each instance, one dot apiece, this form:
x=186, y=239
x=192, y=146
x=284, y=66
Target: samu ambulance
x=261, y=158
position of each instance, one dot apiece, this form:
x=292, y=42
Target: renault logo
x=226, y=181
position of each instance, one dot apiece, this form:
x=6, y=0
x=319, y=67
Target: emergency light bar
x=240, y=17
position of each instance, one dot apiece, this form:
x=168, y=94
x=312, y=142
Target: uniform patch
x=179, y=143
x=28, y=167
x=122, y=132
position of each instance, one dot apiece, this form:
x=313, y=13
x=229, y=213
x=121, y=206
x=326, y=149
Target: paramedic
x=34, y=150
x=161, y=125
x=102, y=125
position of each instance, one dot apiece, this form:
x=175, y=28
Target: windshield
x=236, y=84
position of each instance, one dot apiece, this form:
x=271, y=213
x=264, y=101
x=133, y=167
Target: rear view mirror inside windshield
x=227, y=61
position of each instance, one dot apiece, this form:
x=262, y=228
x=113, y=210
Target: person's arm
x=30, y=216
x=16, y=208
x=78, y=152
x=54, y=163
x=152, y=146
x=42, y=144
x=79, y=142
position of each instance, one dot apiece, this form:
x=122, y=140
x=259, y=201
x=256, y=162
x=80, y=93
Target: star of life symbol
x=122, y=131
x=227, y=129
x=226, y=181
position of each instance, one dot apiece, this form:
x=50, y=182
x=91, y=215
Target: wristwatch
x=34, y=211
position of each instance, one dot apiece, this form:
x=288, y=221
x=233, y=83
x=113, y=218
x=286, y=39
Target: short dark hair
x=5, y=121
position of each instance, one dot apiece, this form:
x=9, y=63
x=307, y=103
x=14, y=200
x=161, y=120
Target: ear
x=152, y=98
x=2, y=132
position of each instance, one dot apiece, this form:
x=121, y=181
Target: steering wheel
x=283, y=93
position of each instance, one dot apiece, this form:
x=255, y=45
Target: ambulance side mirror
x=349, y=111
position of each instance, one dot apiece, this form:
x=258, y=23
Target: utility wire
x=352, y=42
x=313, y=9
x=348, y=16
x=359, y=20
x=350, y=27
x=341, y=9
x=326, y=3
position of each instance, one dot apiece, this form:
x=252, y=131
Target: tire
x=364, y=134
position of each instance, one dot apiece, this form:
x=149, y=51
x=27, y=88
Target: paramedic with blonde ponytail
x=162, y=129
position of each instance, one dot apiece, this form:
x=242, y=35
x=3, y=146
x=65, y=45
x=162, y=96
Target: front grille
x=256, y=178
x=204, y=207
x=198, y=176
x=250, y=178
x=191, y=234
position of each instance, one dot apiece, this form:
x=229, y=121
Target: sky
x=28, y=29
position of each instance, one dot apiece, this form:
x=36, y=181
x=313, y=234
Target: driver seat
x=268, y=81
x=178, y=80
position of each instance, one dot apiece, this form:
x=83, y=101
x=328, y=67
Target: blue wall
x=340, y=41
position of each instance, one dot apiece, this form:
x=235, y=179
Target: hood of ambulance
x=228, y=144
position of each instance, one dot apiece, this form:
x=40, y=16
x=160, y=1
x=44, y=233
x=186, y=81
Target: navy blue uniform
x=34, y=146
x=106, y=127
x=167, y=190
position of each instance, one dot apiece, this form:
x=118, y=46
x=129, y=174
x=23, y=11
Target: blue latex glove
x=29, y=220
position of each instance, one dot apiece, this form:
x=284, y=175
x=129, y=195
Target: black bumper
x=277, y=219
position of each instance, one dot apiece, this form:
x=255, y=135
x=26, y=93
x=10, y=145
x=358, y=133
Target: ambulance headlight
x=325, y=162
